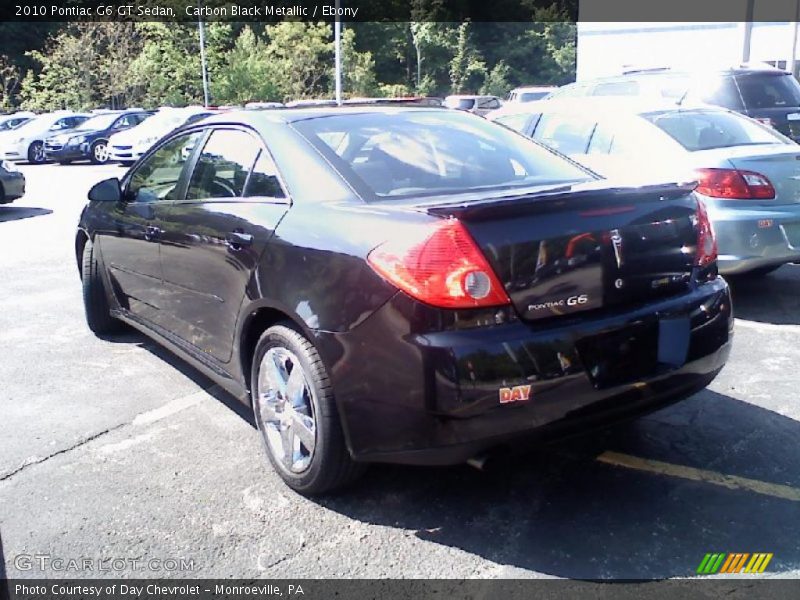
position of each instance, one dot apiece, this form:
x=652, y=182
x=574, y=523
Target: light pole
x=204, y=68
x=337, y=48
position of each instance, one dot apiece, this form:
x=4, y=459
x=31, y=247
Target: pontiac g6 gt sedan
x=403, y=284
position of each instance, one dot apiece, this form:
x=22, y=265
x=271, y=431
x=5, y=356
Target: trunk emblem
x=616, y=241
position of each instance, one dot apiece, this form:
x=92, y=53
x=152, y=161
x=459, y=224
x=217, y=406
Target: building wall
x=608, y=48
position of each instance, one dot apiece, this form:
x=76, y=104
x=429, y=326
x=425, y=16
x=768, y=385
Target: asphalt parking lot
x=116, y=450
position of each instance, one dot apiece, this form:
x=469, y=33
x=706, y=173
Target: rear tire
x=95, y=300
x=290, y=409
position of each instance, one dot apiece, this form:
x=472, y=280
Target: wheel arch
x=255, y=321
x=80, y=243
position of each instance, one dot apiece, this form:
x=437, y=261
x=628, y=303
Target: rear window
x=417, y=153
x=531, y=96
x=706, y=130
x=566, y=133
x=769, y=91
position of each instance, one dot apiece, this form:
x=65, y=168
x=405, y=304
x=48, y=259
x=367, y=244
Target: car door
x=214, y=236
x=130, y=244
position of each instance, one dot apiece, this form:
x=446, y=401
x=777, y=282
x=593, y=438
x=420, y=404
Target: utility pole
x=790, y=64
x=203, y=56
x=337, y=44
x=748, y=30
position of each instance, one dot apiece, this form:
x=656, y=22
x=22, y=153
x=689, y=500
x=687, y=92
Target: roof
x=599, y=105
x=291, y=115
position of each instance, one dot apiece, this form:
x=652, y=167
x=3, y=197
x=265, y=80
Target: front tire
x=99, y=154
x=296, y=414
x=36, y=155
x=95, y=300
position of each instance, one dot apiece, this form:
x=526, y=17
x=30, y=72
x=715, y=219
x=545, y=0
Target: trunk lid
x=592, y=246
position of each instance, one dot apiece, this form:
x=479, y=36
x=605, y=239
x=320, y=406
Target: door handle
x=236, y=240
x=151, y=233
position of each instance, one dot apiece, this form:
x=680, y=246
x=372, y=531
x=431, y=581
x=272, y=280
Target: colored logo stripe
x=719, y=562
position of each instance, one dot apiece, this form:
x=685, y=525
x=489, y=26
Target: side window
x=601, y=139
x=61, y=124
x=565, y=133
x=516, y=122
x=75, y=121
x=263, y=181
x=158, y=176
x=125, y=122
x=223, y=165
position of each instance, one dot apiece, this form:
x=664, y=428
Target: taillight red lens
x=706, y=239
x=440, y=265
x=733, y=184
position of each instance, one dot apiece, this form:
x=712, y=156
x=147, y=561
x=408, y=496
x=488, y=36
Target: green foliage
x=244, y=74
x=497, y=81
x=467, y=69
x=86, y=65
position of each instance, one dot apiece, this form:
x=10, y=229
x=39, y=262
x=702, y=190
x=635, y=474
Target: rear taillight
x=706, y=239
x=734, y=184
x=440, y=265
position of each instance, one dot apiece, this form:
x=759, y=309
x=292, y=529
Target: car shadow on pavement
x=132, y=336
x=559, y=511
x=774, y=298
x=14, y=213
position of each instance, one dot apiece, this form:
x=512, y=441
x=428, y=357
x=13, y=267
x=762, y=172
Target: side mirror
x=108, y=190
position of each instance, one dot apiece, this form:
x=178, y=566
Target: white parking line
x=732, y=482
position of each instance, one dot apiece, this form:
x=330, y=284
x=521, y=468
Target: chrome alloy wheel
x=101, y=153
x=285, y=410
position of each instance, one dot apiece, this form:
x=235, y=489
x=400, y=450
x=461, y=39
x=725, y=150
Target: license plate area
x=621, y=356
x=792, y=233
x=637, y=351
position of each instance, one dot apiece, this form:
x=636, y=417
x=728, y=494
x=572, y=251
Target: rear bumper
x=435, y=398
x=752, y=238
x=13, y=186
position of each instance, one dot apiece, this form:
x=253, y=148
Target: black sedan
x=89, y=141
x=404, y=284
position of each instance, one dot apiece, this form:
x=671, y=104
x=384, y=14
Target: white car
x=26, y=142
x=128, y=146
x=14, y=120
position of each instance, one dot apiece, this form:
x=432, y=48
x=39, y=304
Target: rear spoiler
x=578, y=197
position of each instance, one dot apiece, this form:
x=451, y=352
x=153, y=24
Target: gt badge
x=518, y=393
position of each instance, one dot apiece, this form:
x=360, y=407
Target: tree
x=299, y=57
x=496, y=82
x=467, y=69
x=358, y=68
x=168, y=69
x=9, y=83
x=243, y=74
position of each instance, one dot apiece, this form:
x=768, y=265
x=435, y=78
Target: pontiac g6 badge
x=518, y=393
